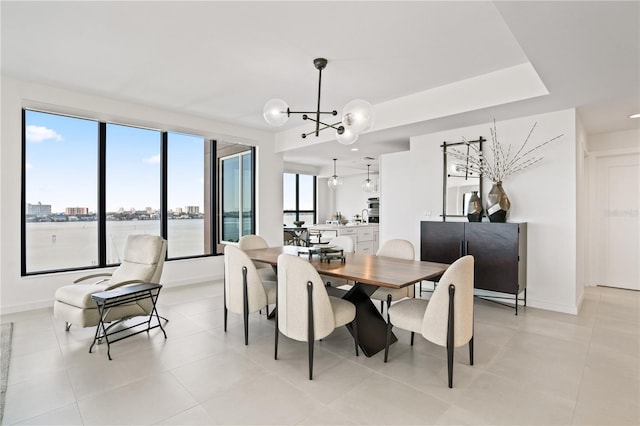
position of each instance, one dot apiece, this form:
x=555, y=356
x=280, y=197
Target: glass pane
x=230, y=199
x=61, y=158
x=132, y=186
x=288, y=219
x=289, y=191
x=308, y=218
x=306, y=192
x=247, y=192
x=185, y=195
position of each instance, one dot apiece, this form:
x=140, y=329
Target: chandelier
x=357, y=115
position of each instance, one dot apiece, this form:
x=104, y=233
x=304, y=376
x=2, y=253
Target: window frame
x=212, y=192
x=297, y=210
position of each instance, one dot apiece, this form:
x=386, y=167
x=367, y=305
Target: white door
x=617, y=201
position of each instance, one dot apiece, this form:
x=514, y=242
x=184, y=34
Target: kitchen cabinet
x=365, y=237
x=499, y=250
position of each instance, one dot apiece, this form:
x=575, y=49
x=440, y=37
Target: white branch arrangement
x=504, y=163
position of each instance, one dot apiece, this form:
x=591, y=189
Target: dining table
x=368, y=272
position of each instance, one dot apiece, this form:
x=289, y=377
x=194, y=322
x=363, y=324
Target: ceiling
x=224, y=60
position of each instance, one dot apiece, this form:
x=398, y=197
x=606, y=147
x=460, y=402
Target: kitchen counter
x=365, y=236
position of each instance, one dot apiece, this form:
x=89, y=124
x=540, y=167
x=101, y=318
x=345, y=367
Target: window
x=299, y=196
x=88, y=184
x=132, y=186
x=60, y=190
x=237, y=196
x=187, y=200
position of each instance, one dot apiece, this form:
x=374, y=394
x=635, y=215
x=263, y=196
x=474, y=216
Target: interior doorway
x=617, y=202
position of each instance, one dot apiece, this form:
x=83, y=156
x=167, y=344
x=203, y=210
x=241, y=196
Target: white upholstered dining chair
x=252, y=242
x=400, y=249
x=143, y=261
x=346, y=243
x=244, y=291
x=446, y=319
x=304, y=310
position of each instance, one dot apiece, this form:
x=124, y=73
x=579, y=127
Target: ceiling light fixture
x=634, y=116
x=334, y=181
x=357, y=115
x=367, y=184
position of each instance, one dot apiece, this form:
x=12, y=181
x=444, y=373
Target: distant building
x=177, y=211
x=75, y=211
x=39, y=209
x=193, y=209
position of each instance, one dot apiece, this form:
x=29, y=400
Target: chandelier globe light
x=367, y=184
x=357, y=115
x=334, y=181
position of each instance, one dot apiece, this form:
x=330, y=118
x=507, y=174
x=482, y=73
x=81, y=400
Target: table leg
x=372, y=328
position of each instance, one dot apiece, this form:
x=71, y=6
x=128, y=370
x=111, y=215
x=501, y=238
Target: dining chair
x=304, y=310
x=142, y=262
x=446, y=319
x=244, y=290
x=400, y=249
x=252, y=242
x=346, y=243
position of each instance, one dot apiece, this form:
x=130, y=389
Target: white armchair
x=143, y=261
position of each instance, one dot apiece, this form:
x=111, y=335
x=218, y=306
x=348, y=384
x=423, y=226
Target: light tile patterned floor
x=538, y=367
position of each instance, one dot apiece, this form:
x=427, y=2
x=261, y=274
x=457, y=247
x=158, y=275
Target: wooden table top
x=364, y=268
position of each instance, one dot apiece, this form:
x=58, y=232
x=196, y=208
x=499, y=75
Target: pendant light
x=367, y=184
x=334, y=181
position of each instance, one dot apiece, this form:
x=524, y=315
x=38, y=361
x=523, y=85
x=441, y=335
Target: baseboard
x=550, y=306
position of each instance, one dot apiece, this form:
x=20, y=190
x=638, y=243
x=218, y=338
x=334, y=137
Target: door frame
x=593, y=272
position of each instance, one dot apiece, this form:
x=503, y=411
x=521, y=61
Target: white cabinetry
x=365, y=237
x=364, y=243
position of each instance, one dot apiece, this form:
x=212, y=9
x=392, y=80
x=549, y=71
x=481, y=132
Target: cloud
x=28, y=166
x=154, y=159
x=41, y=133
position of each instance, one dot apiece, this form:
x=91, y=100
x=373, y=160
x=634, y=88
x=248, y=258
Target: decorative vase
x=498, y=203
x=474, y=208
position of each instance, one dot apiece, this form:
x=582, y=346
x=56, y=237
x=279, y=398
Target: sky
x=62, y=165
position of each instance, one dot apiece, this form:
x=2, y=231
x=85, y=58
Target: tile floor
x=537, y=368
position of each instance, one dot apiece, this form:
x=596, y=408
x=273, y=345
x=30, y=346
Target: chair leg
x=67, y=326
x=412, y=336
x=310, y=327
x=388, y=305
x=450, y=335
x=275, y=313
x=387, y=341
x=381, y=306
x=245, y=307
x=471, y=351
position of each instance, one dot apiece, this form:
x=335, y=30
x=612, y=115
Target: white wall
x=22, y=293
x=350, y=199
x=543, y=195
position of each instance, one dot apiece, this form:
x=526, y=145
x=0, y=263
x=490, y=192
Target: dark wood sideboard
x=499, y=250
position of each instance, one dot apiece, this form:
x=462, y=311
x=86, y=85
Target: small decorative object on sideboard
x=474, y=209
x=298, y=223
x=504, y=163
x=498, y=204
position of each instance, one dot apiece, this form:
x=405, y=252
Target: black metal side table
x=121, y=296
